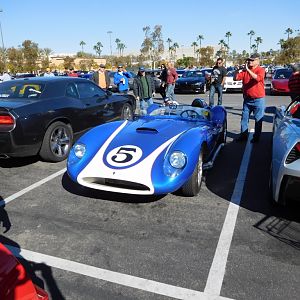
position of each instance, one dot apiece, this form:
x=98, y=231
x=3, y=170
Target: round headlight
x=177, y=160
x=79, y=150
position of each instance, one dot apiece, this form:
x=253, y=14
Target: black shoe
x=254, y=140
x=242, y=138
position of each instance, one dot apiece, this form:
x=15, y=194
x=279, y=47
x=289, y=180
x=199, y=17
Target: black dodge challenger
x=45, y=115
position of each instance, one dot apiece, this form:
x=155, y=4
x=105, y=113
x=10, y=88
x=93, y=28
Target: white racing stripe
x=31, y=187
x=217, y=270
x=114, y=277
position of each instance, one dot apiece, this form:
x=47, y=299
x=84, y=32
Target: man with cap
x=143, y=89
x=101, y=77
x=252, y=77
x=294, y=83
x=121, y=79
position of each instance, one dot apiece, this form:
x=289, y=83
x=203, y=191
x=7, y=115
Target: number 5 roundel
x=124, y=156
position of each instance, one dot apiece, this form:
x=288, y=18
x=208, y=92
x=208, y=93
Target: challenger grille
x=116, y=183
x=294, y=154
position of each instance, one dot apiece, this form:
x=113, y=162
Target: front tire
x=57, y=142
x=127, y=112
x=192, y=187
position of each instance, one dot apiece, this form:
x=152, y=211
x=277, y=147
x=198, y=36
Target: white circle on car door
x=124, y=156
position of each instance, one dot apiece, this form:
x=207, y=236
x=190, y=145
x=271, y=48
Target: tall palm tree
x=288, y=32
x=169, y=41
x=175, y=47
x=200, y=37
x=122, y=47
x=118, y=41
x=281, y=43
x=258, y=41
x=254, y=48
x=98, y=49
x=251, y=33
x=146, y=29
x=82, y=43
x=194, y=45
x=228, y=35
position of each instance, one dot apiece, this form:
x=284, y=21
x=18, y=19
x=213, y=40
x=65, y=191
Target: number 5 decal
x=124, y=156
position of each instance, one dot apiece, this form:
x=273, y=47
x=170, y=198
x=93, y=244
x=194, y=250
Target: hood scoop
x=146, y=130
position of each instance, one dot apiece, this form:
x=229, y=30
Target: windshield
x=283, y=74
x=193, y=74
x=11, y=89
x=186, y=112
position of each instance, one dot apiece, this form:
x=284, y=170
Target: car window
x=89, y=90
x=283, y=74
x=193, y=74
x=71, y=91
x=10, y=89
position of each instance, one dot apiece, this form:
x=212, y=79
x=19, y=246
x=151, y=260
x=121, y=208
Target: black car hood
x=190, y=80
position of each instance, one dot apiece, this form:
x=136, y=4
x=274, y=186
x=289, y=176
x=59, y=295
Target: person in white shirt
x=48, y=73
x=5, y=76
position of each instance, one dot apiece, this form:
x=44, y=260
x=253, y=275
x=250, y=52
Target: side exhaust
x=209, y=164
x=4, y=156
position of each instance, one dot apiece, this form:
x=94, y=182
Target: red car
x=15, y=284
x=279, y=83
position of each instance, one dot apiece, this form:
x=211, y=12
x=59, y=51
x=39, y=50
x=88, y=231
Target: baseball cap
x=253, y=56
x=142, y=69
x=120, y=66
x=102, y=66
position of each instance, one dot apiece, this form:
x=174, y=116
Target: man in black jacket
x=143, y=89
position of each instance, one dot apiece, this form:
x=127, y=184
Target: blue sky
x=61, y=25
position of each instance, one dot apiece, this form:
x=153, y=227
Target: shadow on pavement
x=18, y=162
x=79, y=190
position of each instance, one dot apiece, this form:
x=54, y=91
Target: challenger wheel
x=193, y=185
x=57, y=142
x=127, y=112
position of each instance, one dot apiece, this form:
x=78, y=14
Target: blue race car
x=159, y=153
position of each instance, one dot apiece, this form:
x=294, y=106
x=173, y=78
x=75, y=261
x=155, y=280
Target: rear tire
x=127, y=112
x=57, y=142
x=192, y=187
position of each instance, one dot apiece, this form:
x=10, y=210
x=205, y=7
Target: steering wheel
x=189, y=113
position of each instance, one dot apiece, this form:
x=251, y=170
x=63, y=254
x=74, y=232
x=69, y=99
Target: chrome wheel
x=127, y=113
x=60, y=142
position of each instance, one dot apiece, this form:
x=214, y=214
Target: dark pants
x=213, y=88
x=162, y=91
x=257, y=106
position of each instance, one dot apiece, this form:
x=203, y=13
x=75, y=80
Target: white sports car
x=231, y=85
x=285, y=167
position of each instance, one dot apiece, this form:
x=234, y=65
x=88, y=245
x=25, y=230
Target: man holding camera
x=217, y=80
x=252, y=77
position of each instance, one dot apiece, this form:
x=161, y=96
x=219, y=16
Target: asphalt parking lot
x=229, y=242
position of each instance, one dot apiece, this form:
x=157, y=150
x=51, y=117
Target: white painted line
x=217, y=269
x=114, y=277
x=31, y=187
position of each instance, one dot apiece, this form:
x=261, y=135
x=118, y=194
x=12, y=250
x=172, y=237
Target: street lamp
x=110, y=32
x=4, y=60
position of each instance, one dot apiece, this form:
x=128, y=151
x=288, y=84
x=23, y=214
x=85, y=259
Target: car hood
x=189, y=80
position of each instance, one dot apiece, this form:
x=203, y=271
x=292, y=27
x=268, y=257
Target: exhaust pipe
x=210, y=163
x=4, y=156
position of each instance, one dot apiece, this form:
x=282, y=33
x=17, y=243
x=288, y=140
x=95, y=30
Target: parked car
x=232, y=85
x=180, y=72
x=285, y=166
x=43, y=115
x=191, y=82
x=279, y=83
x=15, y=283
x=158, y=153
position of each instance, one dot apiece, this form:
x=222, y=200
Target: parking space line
x=31, y=187
x=217, y=270
x=114, y=277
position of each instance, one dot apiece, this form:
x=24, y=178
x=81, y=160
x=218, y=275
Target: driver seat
x=198, y=102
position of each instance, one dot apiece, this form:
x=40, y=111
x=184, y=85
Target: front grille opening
x=146, y=129
x=121, y=184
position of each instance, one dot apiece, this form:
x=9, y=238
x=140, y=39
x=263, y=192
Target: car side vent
x=146, y=129
x=294, y=154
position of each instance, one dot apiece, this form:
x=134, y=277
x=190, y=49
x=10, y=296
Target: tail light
x=294, y=154
x=7, y=122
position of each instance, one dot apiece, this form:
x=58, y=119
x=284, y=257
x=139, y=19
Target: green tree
x=200, y=37
x=288, y=32
x=169, y=41
x=69, y=62
x=290, y=51
x=206, y=56
x=98, y=49
x=82, y=43
x=118, y=41
x=15, y=60
x=258, y=41
x=228, y=35
x=251, y=33
x=30, y=55
x=194, y=45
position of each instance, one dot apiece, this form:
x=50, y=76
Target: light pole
x=3, y=52
x=110, y=32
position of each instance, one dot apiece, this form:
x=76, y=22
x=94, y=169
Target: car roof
x=48, y=79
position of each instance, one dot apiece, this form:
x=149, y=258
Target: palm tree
x=118, y=41
x=288, y=32
x=169, y=41
x=254, y=48
x=228, y=35
x=281, y=43
x=97, y=48
x=258, y=41
x=200, y=37
x=251, y=33
x=194, y=45
x=82, y=43
x=146, y=29
x=122, y=47
x=175, y=47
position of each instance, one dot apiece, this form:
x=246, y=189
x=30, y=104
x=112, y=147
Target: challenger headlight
x=177, y=159
x=79, y=150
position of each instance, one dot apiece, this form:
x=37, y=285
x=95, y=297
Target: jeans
x=213, y=88
x=170, y=94
x=257, y=106
x=144, y=104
